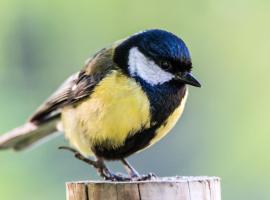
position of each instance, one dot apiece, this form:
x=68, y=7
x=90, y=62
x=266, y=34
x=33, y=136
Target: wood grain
x=171, y=188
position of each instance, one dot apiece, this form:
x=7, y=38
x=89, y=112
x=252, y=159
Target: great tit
x=126, y=98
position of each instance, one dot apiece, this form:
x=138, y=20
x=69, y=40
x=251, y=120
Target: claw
x=68, y=148
x=150, y=176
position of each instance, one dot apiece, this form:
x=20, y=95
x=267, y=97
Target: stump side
x=171, y=188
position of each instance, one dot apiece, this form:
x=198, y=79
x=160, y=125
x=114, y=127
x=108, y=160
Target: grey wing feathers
x=76, y=87
x=50, y=107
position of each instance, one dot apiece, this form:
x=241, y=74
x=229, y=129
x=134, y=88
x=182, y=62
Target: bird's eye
x=165, y=65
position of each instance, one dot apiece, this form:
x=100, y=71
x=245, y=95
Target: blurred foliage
x=225, y=128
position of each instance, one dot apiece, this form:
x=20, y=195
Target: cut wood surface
x=167, y=188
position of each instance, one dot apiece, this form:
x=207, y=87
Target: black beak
x=187, y=78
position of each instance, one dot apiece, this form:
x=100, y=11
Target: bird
x=126, y=97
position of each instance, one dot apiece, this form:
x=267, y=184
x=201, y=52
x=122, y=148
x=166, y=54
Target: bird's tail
x=27, y=135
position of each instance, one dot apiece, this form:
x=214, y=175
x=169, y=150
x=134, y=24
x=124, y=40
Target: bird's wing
x=77, y=86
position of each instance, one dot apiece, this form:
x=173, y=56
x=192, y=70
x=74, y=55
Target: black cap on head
x=159, y=45
x=167, y=50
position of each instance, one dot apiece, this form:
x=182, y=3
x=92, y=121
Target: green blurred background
x=225, y=128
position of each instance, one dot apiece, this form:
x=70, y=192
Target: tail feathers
x=27, y=135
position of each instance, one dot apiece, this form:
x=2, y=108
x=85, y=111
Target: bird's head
x=157, y=57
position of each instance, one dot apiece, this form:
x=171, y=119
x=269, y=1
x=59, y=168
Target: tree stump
x=167, y=188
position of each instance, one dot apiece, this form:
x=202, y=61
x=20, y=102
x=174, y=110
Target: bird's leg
x=130, y=170
x=81, y=157
x=99, y=164
x=135, y=176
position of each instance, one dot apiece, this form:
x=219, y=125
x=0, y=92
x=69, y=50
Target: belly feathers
x=116, y=109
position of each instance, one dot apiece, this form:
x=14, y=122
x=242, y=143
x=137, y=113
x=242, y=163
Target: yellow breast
x=116, y=108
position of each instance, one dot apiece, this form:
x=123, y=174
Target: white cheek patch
x=146, y=69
